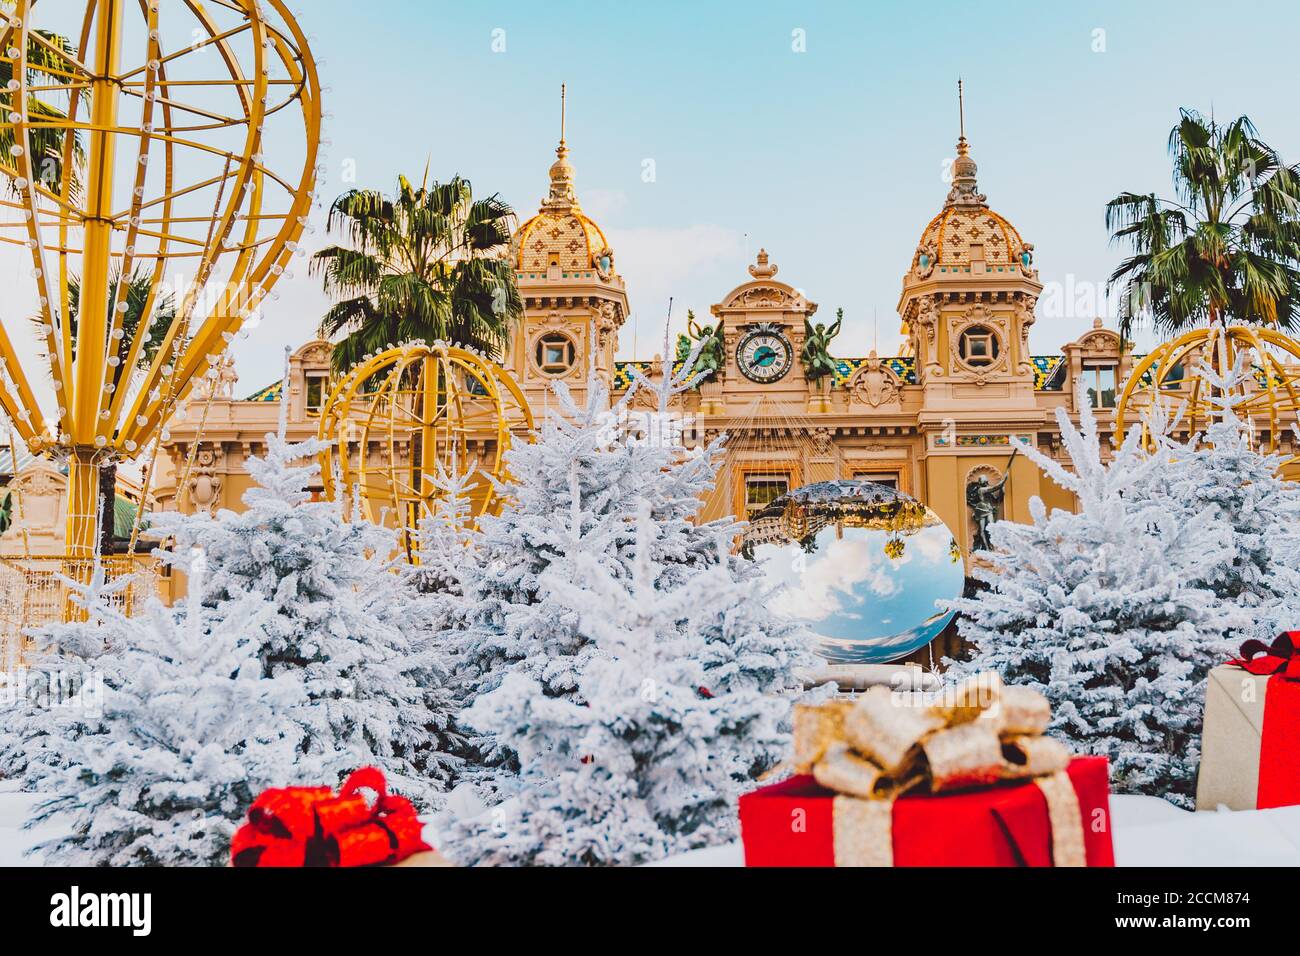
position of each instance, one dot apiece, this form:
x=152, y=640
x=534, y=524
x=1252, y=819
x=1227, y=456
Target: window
x=1174, y=377
x=1100, y=380
x=978, y=346
x=317, y=391
x=762, y=490
x=555, y=353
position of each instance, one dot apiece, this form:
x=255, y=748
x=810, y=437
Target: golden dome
x=561, y=234
x=967, y=224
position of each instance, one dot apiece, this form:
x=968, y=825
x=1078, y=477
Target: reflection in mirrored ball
x=862, y=565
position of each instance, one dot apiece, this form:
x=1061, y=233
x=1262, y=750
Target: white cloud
x=829, y=584
x=658, y=263
x=933, y=547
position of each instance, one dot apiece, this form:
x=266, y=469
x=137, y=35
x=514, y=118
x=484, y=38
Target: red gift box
x=1250, y=744
x=792, y=823
x=311, y=826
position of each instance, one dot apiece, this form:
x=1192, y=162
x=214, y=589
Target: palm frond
x=422, y=265
x=1227, y=248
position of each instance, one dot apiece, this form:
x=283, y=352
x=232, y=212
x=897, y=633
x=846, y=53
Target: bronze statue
x=816, y=356
x=712, y=356
x=984, y=500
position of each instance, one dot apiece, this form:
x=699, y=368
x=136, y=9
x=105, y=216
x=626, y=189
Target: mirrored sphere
x=861, y=565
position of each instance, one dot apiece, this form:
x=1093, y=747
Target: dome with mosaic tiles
x=966, y=230
x=561, y=234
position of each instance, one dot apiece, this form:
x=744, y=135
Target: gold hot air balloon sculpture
x=404, y=417
x=140, y=141
x=1268, y=400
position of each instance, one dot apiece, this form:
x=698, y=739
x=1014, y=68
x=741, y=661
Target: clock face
x=764, y=356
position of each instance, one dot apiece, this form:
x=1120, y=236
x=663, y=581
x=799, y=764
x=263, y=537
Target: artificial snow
x=15, y=807
x=1148, y=832
x=1222, y=838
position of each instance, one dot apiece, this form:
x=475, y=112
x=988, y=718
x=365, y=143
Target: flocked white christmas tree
x=1225, y=474
x=445, y=534
x=644, y=760
x=1100, y=611
x=342, y=621
x=172, y=734
x=574, y=498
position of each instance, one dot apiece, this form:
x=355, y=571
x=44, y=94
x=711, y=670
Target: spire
x=965, y=190
x=562, y=196
x=961, y=120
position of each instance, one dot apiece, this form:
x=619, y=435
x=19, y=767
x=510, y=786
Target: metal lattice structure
x=1269, y=400
x=139, y=135
x=411, y=412
x=34, y=593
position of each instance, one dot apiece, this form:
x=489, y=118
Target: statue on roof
x=712, y=355
x=816, y=356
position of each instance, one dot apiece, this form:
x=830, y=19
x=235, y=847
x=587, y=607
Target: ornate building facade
x=931, y=421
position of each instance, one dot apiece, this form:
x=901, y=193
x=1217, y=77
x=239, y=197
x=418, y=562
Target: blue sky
x=831, y=158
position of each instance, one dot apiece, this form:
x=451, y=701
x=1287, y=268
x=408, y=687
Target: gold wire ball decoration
x=136, y=137
x=1269, y=399
x=402, y=418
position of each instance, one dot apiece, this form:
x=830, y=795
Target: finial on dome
x=961, y=120
x=761, y=268
x=965, y=190
x=561, y=194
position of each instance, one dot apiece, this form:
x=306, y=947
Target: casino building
x=929, y=421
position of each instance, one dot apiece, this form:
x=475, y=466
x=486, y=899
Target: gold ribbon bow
x=872, y=749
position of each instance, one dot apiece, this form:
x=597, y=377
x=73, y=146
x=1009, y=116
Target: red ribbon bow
x=310, y=826
x=1281, y=657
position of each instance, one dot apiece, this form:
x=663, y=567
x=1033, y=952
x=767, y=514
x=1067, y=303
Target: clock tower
x=763, y=333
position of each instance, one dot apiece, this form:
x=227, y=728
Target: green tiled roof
x=269, y=393
x=902, y=366
x=623, y=373
x=1044, y=366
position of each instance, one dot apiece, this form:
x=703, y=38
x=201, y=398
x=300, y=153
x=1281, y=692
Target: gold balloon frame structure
x=153, y=166
x=1270, y=399
x=404, y=417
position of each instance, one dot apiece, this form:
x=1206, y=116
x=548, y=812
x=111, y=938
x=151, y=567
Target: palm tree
x=425, y=265
x=1226, y=249
x=46, y=145
x=138, y=289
